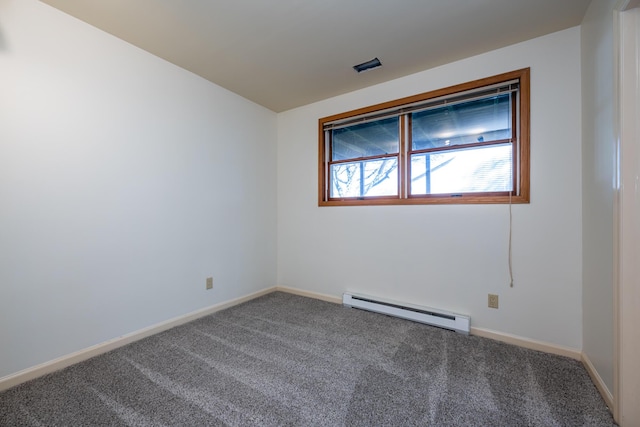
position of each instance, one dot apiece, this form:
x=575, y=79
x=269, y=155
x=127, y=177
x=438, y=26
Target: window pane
x=367, y=139
x=462, y=171
x=487, y=119
x=365, y=178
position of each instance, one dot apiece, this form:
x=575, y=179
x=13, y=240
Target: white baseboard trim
x=28, y=374
x=528, y=343
x=310, y=294
x=553, y=349
x=597, y=380
x=481, y=332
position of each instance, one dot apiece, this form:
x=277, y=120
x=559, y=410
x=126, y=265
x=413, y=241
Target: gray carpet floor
x=285, y=360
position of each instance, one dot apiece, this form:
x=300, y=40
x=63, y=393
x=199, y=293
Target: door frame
x=627, y=213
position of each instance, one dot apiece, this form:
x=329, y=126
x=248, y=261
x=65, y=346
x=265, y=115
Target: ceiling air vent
x=365, y=66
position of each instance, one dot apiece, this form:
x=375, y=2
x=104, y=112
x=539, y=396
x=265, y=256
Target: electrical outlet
x=209, y=282
x=493, y=301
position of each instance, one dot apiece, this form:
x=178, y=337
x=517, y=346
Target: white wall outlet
x=493, y=301
x=209, y=282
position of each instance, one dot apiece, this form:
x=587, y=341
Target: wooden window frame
x=521, y=149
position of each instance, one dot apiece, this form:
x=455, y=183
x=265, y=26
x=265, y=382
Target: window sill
x=429, y=200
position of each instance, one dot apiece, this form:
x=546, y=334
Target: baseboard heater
x=430, y=316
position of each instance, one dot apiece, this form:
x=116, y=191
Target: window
x=464, y=144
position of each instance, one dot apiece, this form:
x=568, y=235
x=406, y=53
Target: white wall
x=452, y=256
x=598, y=160
x=124, y=182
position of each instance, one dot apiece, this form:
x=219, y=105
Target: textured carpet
x=287, y=360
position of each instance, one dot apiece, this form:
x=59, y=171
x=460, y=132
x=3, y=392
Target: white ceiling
x=287, y=53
